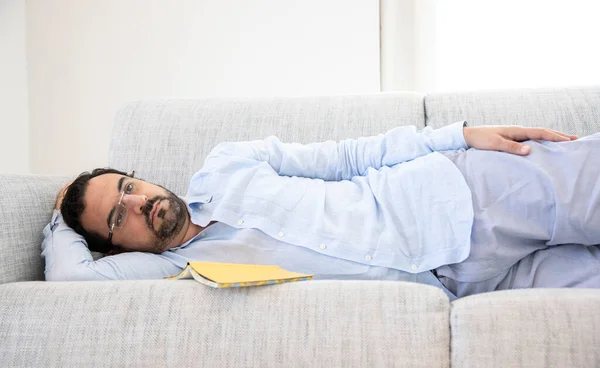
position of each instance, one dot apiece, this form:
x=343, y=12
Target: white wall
x=398, y=42
x=14, y=129
x=87, y=58
x=516, y=44
x=441, y=45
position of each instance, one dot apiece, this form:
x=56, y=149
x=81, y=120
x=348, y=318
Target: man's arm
x=344, y=160
x=69, y=259
x=353, y=157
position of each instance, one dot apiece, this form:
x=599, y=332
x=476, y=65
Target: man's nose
x=134, y=202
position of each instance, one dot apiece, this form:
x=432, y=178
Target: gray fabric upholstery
x=166, y=141
x=27, y=202
x=184, y=324
x=572, y=110
x=527, y=328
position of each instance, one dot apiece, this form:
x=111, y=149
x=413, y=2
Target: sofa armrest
x=27, y=202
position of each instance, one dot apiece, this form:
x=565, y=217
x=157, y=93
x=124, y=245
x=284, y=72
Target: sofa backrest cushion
x=572, y=110
x=166, y=141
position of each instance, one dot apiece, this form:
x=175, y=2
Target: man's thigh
x=561, y=266
x=567, y=265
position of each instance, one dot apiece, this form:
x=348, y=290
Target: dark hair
x=72, y=207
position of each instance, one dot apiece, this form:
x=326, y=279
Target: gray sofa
x=304, y=324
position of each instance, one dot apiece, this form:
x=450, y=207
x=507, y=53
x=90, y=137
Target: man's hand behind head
x=61, y=195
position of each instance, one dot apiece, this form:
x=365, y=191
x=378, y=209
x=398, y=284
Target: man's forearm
x=65, y=252
x=338, y=161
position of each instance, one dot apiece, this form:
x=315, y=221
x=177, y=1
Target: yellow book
x=225, y=275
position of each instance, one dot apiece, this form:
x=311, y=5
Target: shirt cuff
x=450, y=137
x=56, y=218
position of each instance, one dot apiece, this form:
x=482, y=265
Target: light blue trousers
x=537, y=218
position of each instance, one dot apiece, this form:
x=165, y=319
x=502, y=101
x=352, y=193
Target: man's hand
x=505, y=138
x=61, y=195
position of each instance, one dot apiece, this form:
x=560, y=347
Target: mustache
x=147, y=207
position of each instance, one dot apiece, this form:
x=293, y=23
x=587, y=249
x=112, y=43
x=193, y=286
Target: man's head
x=149, y=218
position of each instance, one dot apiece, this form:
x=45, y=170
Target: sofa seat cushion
x=182, y=323
x=527, y=328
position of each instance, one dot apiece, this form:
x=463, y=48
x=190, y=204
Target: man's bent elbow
x=75, y=274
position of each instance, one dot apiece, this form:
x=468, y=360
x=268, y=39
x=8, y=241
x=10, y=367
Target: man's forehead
x=99, y=197
x=104, y=184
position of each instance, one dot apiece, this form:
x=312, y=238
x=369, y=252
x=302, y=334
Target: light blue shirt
x=387, y=207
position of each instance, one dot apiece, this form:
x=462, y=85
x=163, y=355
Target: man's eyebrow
x=119, y=185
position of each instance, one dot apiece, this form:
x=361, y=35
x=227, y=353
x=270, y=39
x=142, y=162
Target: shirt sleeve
x=68, y=258
x=335, y=161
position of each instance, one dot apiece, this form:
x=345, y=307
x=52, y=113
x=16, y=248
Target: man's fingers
x=61, y=195
x=516, y=148
x=545, y=134
x=570, y=136
x=523, y=134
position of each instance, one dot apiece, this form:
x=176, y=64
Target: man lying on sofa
x=461, y=208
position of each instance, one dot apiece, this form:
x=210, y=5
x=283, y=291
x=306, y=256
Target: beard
x=173, y=214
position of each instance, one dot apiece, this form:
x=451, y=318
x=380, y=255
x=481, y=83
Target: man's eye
x=129, y=188
x=119, y=219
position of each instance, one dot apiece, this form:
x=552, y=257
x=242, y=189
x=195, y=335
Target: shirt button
x=323, y=246
x=281, y=233
x=240, y=222
x=368, y=258
x=413, y=267
x=202, y=235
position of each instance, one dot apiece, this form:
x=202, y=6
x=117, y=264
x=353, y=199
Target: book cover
x=225, y=275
